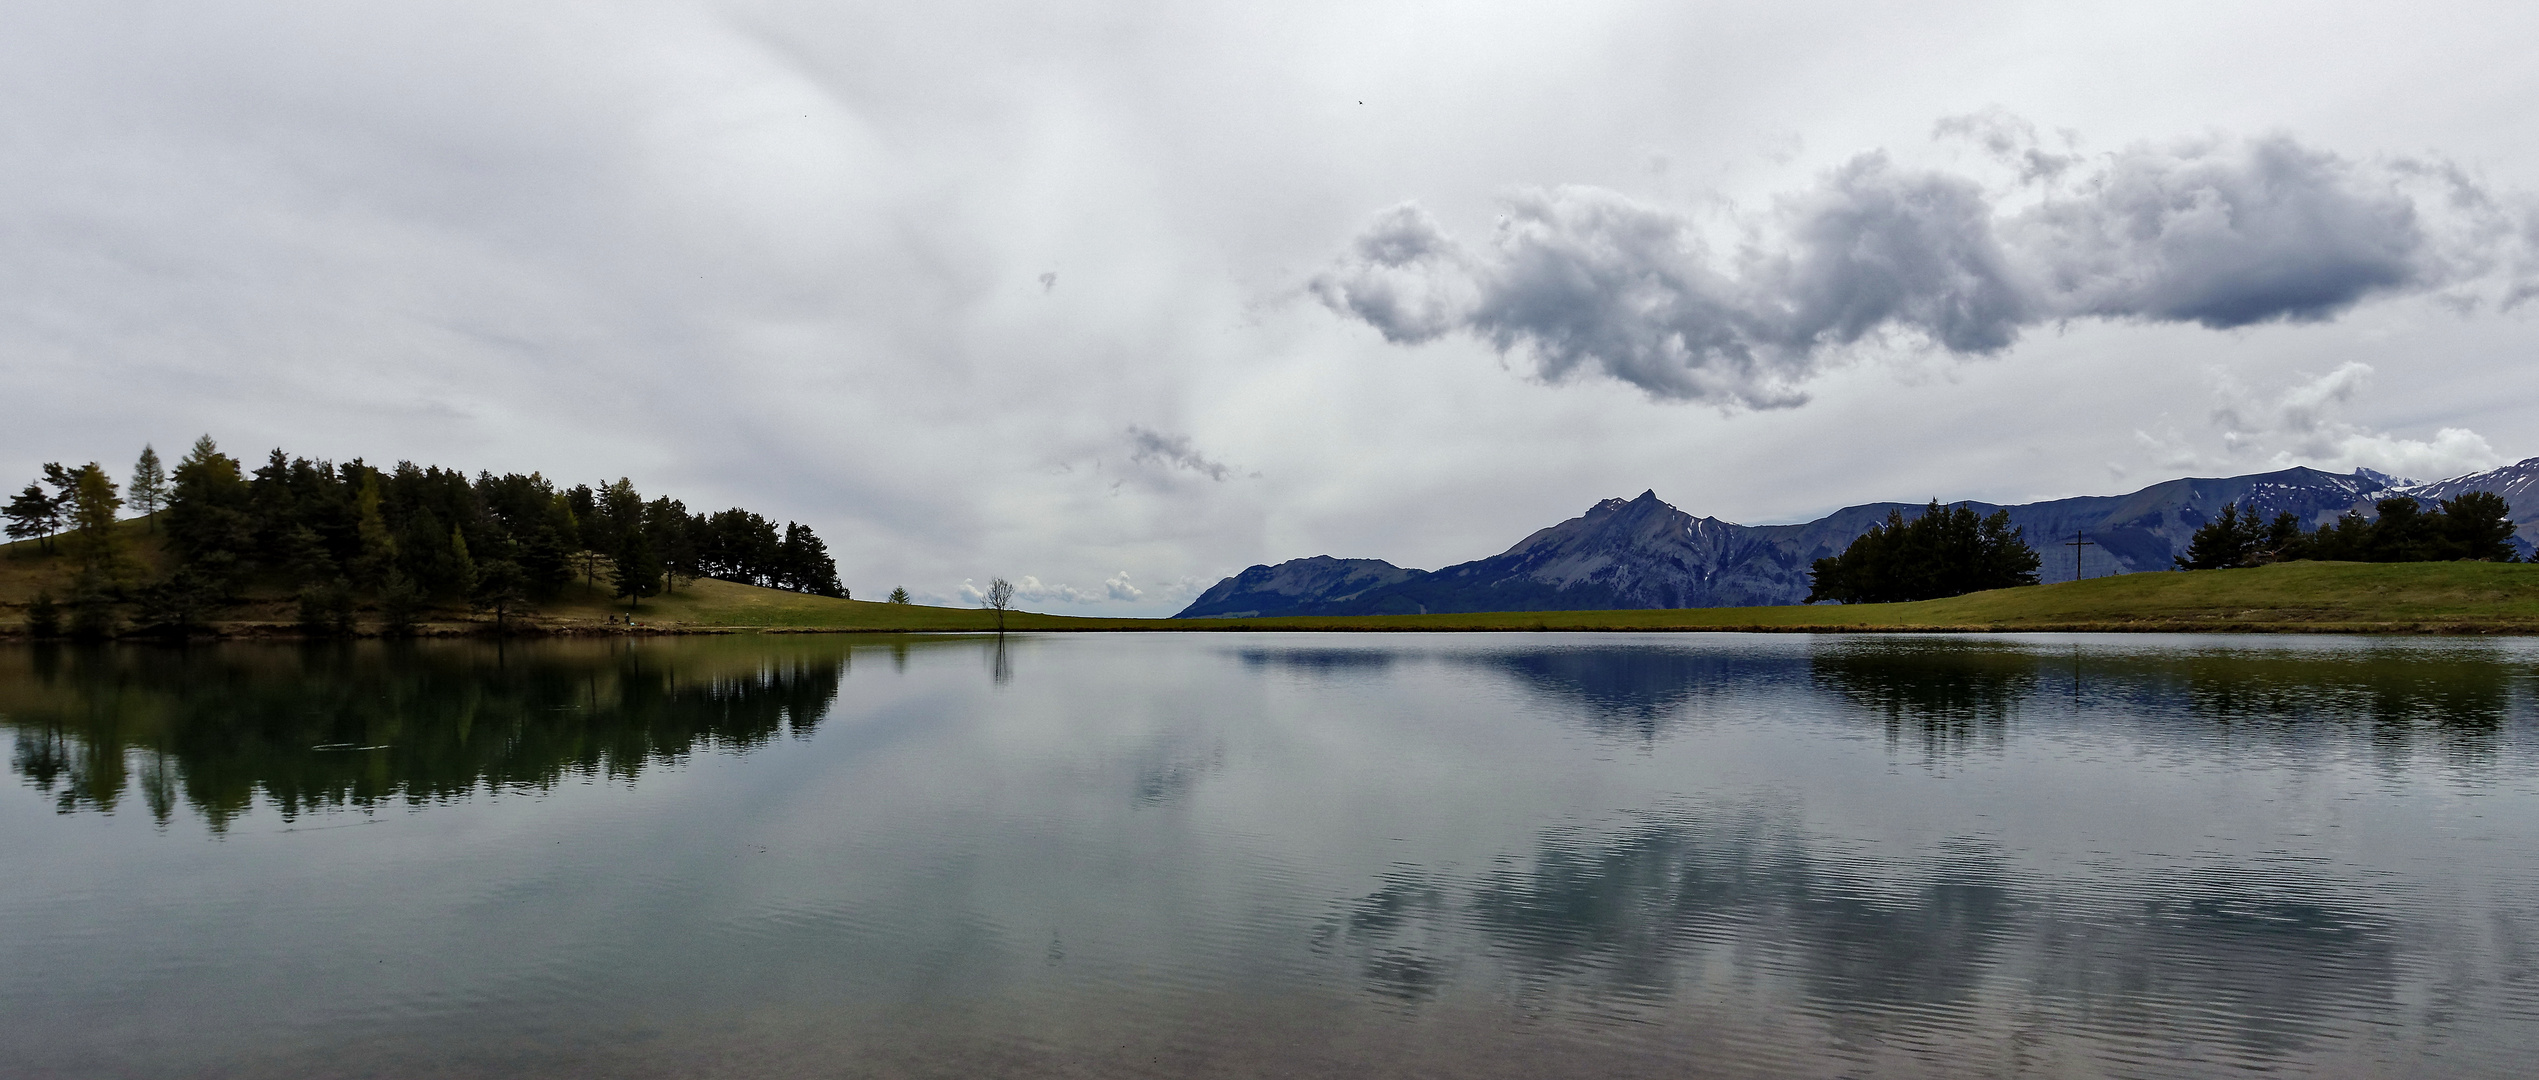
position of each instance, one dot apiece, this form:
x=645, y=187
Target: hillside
x=2460, y=597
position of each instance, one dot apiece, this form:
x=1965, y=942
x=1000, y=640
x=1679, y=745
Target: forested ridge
x=395, y=540
x=1949, y=551
x=2476, y=525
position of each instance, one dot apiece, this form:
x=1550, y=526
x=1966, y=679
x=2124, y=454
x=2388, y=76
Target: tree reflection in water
x=339, y=725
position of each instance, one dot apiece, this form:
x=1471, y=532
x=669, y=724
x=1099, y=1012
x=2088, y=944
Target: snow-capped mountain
x=1644, y=553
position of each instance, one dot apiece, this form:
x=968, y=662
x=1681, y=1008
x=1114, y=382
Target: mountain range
x=1644, y=553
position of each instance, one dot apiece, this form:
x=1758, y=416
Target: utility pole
x=2076, y=543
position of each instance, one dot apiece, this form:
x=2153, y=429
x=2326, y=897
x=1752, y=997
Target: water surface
x=1289, y=855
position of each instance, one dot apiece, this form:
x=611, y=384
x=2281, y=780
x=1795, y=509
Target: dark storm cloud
x=2221, y=233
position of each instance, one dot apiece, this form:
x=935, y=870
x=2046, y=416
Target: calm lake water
x=1274, y=855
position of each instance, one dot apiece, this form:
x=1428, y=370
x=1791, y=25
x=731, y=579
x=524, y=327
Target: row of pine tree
x=404, y=538
x=2475, y=525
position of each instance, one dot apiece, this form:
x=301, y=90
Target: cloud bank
x=2305, y=424
x=2217, y=232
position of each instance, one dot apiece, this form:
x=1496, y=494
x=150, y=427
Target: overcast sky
x=1116, y=299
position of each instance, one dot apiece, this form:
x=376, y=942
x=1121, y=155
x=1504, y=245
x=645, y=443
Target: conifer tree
x=376, y=547
x=2477, y=525
x=208, y=506
x=149, y=491
x=638, y=573
x=462, y=567
x=501, y=588
x=92, y=521
x=1943, y=552
x=32, y=515
x=899, y=595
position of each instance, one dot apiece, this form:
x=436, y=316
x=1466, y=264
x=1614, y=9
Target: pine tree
x=370, y=530
x=32, y=515
x=400, y=605
x=92, y=520
x=2229, y=539
x=1942, y=552
x=638, y=572
x=899, y=595
x=2477, y=525
x=501, y=588
x=149, y=489
x=209, y=506
x=462, y=567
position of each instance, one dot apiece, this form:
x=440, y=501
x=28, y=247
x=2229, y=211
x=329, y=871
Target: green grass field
x=2301, y=596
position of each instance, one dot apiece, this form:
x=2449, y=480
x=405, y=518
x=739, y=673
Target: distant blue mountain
x=1643, y=553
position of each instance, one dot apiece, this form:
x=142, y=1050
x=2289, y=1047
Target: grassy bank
x=2303, y=596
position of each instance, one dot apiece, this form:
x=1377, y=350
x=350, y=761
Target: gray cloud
x=1174, y=451
x=2216, y=232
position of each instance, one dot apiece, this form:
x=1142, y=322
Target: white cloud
x=2305, y=424
x=791, y=256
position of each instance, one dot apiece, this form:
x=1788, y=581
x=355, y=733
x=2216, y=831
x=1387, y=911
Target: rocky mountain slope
x=1644, y=553
x=1288, y=587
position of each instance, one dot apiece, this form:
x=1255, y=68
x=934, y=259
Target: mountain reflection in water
x=1631, y=922
x=1195, y=855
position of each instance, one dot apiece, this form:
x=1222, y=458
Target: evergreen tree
x=1942, y=552
x=899, y=595
x=32, y=515
x=376, y=546
x=303, y=556
x=2229, y=539
x=2235, y=538
x=2477, y=525
x=803, y=564
x=667, y=525
x=638, y=568
x=502, y=589
x=208, y=507
x=544, y=563
x=462, y=566
x=149, y=489
x=93, y=503
x=2404, y=533
x=400, y=605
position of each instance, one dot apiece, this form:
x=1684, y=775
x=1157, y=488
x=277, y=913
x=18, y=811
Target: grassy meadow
x=2457, y=597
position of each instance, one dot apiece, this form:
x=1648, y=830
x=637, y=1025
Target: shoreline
x=453, y=632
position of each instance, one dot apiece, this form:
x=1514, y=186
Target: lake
x=1283, y=855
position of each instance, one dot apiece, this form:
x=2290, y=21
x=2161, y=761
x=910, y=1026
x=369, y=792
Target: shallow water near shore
x=1273, y=855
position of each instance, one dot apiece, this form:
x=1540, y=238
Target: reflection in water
x=1284, y=856
x=1320, y=661
x=1951, y=694
x=1660, y=911
x=348, y=725
x=1634, y=690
